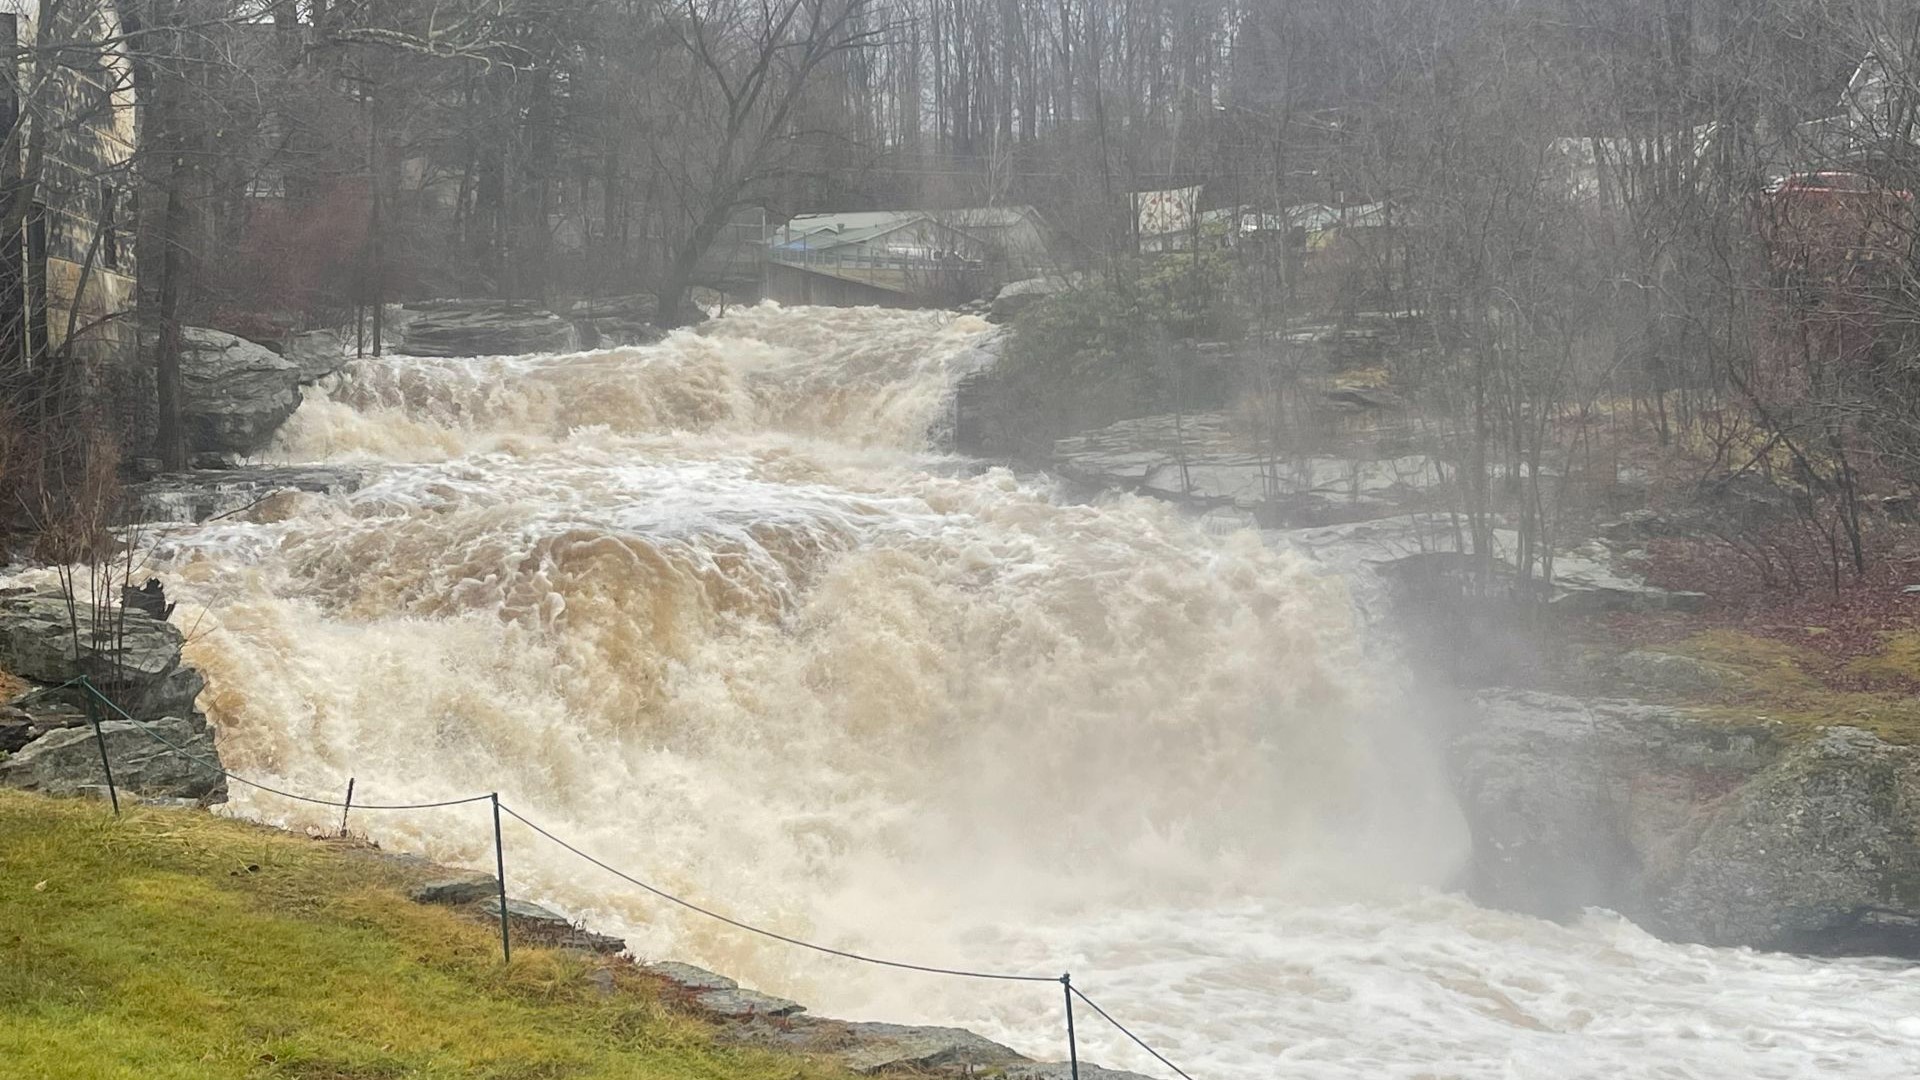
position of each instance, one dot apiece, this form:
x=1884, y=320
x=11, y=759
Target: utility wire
x=691, y=906
x=1108, y=1017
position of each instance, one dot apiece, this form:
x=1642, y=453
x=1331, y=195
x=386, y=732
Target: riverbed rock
x=17, y=729
x=537, y=925
x=898, y=1047
x=483, y=328
x=131, y=657
x=1674, y=673
x=1201, y=459
x=609, y=321
x=201, y=494
x=67, y=761
x=718, y=995
x=1749, y=834
x=456, y=890
x=235, y=393
x=1018, y=296
x=317, y=353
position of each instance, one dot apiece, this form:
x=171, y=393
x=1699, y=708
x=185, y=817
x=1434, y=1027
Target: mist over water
x=715, y=611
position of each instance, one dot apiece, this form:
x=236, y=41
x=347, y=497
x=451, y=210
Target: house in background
x=69, y=268
x=903, y=258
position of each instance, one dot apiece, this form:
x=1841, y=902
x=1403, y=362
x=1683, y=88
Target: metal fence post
x=1073, y=1045
x=500, y=868
x=346, y=808
x=100, y=737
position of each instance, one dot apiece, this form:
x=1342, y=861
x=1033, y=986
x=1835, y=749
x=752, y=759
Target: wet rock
x=1674, y=673
x=719, y=995
x=1797, y=854
x=606, y=322
x=1018, y=296
x=317, y=353
x=1728, y=834
x=537, y=925
x=209, y=493
x=1585, y=583
x=1202, y=460
x=235, y=393
x=483, y=328
x=1061, y=1070
x=898, y=1047
x=17, y=729
x=67, y=761
x=457, y=890
x=132, y=658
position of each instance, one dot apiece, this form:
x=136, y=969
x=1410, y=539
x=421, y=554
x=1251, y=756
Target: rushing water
x=715, y=612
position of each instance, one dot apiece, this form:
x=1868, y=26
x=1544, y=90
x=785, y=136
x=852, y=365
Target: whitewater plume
x=717, y=611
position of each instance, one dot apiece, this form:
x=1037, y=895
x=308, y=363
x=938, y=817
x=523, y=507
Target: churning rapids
x=714, y=611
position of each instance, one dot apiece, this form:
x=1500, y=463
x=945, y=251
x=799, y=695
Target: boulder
x=1727, y=834
x=317, y=354
x=67, y=761
x=1017, y=296
x=543, y=926
x=1674, y=673
x=132, y=658
x=609, y=321
x=457, y=890
x=1819, y=851
x=209, y=493
x=483, y=328
x=235, y=394
x=720, y=996
x=899, y=1047
x=17, y=729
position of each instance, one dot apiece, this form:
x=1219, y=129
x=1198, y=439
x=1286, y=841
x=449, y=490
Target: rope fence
x=1070, y=992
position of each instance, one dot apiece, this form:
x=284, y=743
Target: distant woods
x=1566, y=209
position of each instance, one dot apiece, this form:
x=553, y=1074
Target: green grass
x=1775, y=682
x=173, y=944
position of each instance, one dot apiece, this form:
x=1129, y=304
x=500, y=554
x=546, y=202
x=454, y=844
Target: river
x=715, y=611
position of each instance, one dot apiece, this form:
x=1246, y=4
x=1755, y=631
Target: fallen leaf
x=42, y=887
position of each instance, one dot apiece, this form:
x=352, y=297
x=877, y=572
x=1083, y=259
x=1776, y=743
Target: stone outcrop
x=236, y=393
x=1017, y=296
x=131, y=657
x=1424, y=550
x=610, y=321
x=67, y=761
x=201, y=494
x=483, y=328
x=720, y=996
x=754, y=1019
x=1728, y=834
x=134, y=659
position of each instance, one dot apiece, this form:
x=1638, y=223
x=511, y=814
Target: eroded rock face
x=67, y=761
x=483, y=328
x=236, y=394
x=1726, y=834
x=132, y=658
x=200, y=494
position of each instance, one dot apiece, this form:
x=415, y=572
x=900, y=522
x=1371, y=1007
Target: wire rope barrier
x=763, y=932
x=1071, y=992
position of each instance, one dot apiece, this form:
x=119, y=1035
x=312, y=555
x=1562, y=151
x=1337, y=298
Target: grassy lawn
x=173, y=944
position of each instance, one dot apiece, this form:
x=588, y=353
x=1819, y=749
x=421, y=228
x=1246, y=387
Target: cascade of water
x=712, y=608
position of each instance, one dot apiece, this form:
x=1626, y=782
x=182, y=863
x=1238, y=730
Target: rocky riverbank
x=47, y=745
x=134, y=659
x=1758, y=833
